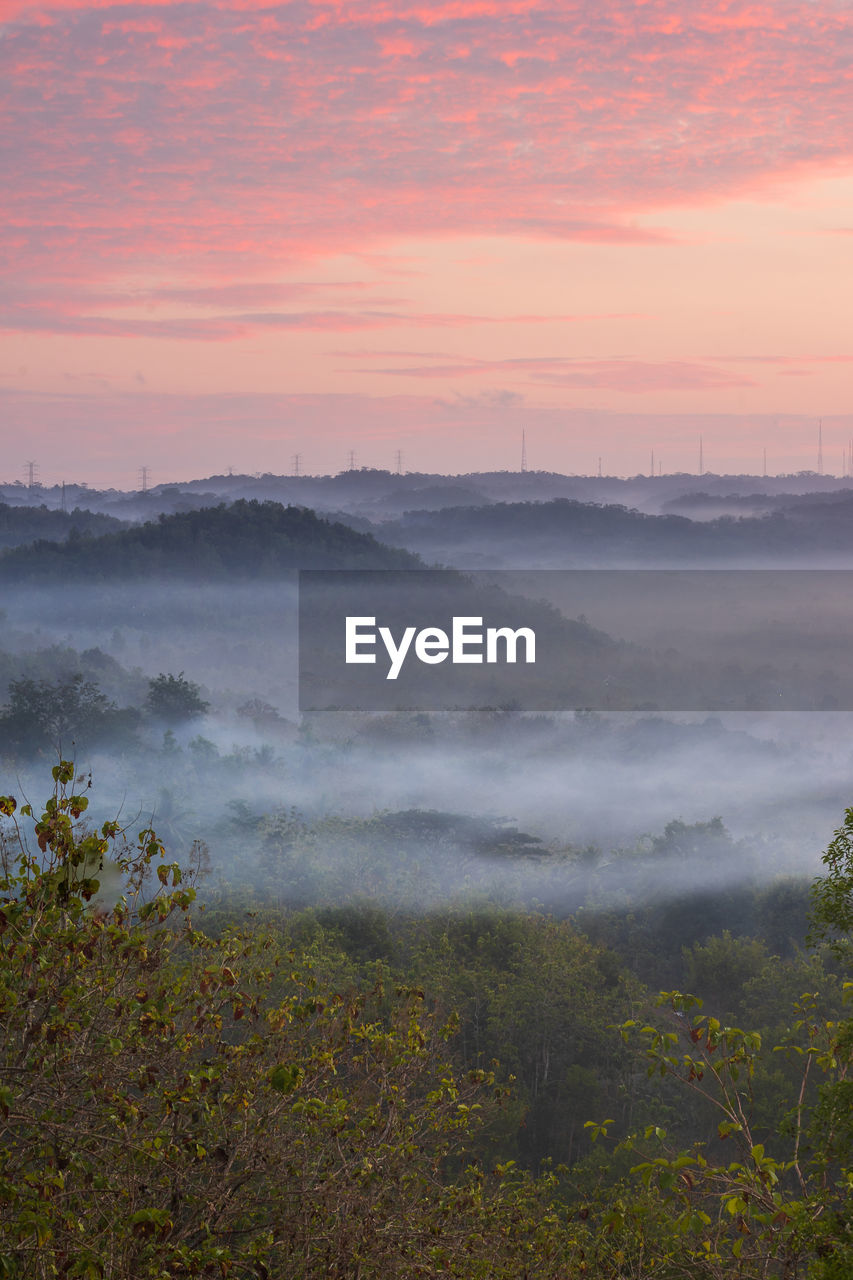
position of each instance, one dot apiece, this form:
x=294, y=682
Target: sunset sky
x=238, y=230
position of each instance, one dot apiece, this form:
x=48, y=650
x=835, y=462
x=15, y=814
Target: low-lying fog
x=298, y=809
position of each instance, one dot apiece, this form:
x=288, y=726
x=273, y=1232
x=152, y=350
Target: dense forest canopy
x=348, y=1092
x=21, y=525
x=584, y=532
x=251, y=538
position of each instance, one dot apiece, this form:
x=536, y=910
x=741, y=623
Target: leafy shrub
x=176, y=1104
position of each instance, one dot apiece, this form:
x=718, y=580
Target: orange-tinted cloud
x=182, y=173
x=75, y=311
x=628, y=375
x=151, y=132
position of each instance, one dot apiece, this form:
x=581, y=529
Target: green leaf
x=285, y=1078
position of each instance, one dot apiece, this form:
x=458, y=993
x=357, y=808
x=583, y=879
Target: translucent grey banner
x=551, y=640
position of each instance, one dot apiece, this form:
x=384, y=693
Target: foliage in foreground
x=173, y=1104
x=176, y=1102
x=776, y=1208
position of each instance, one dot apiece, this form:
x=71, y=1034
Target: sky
x=236, y=231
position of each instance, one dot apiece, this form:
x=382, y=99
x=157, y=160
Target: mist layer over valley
x=555, y=808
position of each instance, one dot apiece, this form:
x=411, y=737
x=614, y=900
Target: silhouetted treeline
x=586, y=533
x=247, y=539
x=19, y=525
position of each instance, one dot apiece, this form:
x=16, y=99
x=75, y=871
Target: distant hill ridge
x=557, y=514
x=819, y=523
x=376, y=494
x=246, y=539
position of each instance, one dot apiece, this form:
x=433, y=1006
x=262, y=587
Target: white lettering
x=354, y=639
x=511, y=638
x=461, y=637
x=432, y=645
x=397, y=655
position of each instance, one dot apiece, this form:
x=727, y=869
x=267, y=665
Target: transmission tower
x=144, y=477
x=297, y=464
x=351, y=460
x=398, y=458
x=524, y=450
x=31, y=470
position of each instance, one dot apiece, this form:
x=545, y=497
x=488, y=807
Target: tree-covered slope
x=19, y=525
x=246, y=539
x=585, y=532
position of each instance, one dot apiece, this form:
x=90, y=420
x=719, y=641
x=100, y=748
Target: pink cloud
x=640, y=376
x=69, y=310
x=176, y=172
x=783, y=359
x=158, y=131
x=626, y=375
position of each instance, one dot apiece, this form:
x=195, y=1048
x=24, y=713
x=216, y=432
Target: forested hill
x=20, y=525
x=246, y=539
x=585, y=533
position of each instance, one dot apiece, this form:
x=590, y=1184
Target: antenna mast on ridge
x=524, y=450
